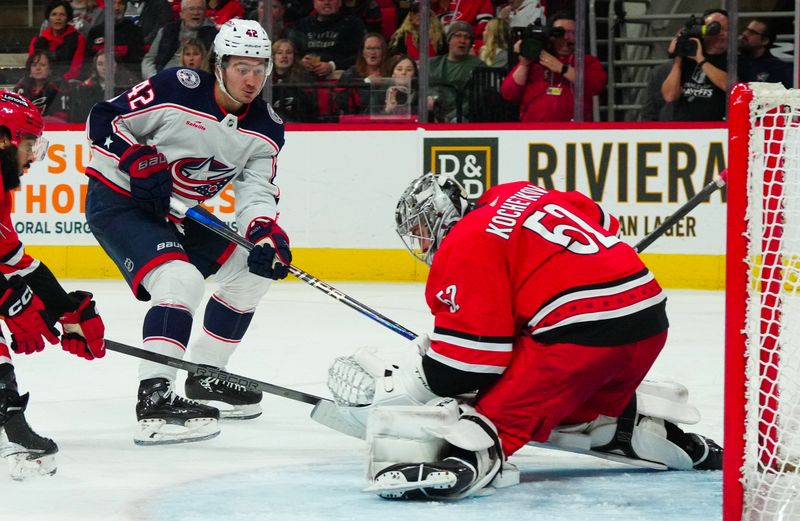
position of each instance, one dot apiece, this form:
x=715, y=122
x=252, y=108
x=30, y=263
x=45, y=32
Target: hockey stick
x=205, y=218
x=325, y=411
x=707, y=190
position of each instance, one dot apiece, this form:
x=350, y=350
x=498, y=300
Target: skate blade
x=393, y=485
x=26, y=465
x=159, y=432
x=234, y=412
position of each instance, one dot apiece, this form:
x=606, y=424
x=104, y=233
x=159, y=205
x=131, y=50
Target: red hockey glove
x=83, y=329
x=151, y=182
x=271, y=257
x=25, y=316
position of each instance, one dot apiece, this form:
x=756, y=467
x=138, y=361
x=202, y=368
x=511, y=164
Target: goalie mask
x=426, y=212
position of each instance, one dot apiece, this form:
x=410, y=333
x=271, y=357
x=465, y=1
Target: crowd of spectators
x=335, y=58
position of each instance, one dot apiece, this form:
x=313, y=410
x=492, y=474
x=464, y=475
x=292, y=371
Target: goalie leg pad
x=474, y=458
x=640, y=437
x=403, y=434
x=631, y=436
x=666, y=400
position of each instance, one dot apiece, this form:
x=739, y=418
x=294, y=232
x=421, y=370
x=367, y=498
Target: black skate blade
x=395, y=485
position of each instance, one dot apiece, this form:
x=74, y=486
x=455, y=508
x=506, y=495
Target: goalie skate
x=234, y=401
x=440, y=480
x=166, y=418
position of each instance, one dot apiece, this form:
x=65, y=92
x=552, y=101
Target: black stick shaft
x=702, y=195
x=205, y=370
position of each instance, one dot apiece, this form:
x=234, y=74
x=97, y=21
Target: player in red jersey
x=550, y=317
x=31, y=299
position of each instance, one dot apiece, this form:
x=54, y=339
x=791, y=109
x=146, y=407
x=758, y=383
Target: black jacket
x=337, y=39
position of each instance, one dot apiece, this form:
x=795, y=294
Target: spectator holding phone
x=543, y=80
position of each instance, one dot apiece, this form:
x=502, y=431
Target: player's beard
x=9, y=167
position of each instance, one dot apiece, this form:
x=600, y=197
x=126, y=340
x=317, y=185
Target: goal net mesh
x=770, y=476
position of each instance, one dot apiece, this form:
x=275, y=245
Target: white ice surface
x=283, y=466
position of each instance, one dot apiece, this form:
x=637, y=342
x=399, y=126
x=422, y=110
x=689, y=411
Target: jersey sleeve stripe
x=497, y=347
x=465, y=366
x=477, y=338
x=27, y=265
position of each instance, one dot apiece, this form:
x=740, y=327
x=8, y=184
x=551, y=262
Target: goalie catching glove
x=372, y=378
x=271, y=256
x=83, y=328
x=25, y=317
x=151, y=182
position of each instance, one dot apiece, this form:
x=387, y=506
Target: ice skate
x=165, y=418
x=27, y=453
x=706, y=454
x=234, y=401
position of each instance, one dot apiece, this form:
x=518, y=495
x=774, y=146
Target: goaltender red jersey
x=538, y=264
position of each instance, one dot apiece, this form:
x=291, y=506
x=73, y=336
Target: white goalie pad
x=656, y=402
x=372, y=378
x=423, y=434
x=666, y=400
x=407, y=433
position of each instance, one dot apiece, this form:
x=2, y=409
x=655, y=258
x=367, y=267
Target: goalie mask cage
x=761, y=469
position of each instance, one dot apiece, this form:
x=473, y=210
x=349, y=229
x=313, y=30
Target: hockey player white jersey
x=206, y=147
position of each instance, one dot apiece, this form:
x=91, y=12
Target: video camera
x=694, y=28
x=535, y=39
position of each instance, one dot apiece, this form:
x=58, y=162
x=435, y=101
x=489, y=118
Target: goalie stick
x=688, y=206
x=324, y=412
x=205, y=218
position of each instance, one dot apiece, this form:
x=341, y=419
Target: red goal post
x=761, y=470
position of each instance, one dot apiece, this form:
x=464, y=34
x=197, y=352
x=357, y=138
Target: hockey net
x=762, y=416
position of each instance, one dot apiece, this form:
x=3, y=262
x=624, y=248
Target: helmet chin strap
x=221, y=82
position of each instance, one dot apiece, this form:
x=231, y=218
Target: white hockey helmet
x=430, y=206
x=239, y=37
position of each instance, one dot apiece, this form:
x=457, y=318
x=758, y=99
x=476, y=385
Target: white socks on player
x=212, y=351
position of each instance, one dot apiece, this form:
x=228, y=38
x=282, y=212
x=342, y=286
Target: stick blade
x=326, y=413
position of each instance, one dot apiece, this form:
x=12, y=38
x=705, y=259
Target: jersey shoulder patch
x=188, y=78
x=274, y=115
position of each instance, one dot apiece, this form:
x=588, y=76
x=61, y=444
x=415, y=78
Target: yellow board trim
x=90, y=262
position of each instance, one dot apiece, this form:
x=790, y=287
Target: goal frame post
x=735, y=301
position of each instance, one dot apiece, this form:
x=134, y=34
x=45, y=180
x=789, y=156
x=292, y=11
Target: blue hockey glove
x=151, y=182
x=271, y=256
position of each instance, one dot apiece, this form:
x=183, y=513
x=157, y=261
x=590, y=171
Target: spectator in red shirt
x=477, y=13
x=544, y=88
x=65, y=44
